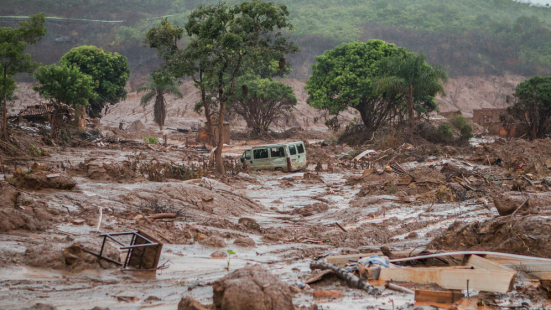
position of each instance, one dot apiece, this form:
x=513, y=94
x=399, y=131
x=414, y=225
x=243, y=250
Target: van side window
x=300, y=148
x=260, y=153
x=277, y=152
x=247, y=154
x=292, y=150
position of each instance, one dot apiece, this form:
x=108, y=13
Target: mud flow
x=247, y=240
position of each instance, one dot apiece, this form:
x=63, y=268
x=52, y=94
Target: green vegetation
x=150, y=140
x=445, y=131
x=14, y=60
x=413, y=79
x=223, y=39
x=158, y=85
x=375, y=78
x=532, y=105
x=64, y=84
x=470, y=37
x=36, y=152
x=261, y=101
x=230, y=253
x=108, y=71
x=460, y=123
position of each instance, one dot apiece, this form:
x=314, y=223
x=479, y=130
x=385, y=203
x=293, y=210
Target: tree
x=64, y=84
x=222, y=39
x=13, y=60
x=158, y=85
x=412, y=77
x=344, y=78
x=109, y=72
x=532, y=105
x=261, y=101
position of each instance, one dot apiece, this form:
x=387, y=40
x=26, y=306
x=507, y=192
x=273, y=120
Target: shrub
x=461, y=124
x=445, y=131
x=150, y=140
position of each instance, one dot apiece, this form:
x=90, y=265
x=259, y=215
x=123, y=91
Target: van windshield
x=247, y=154
x=292, y=150
x=300, y=148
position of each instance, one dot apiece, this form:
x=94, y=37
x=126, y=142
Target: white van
x=290, y=156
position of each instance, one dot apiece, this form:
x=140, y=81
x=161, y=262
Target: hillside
x=487, y=46
x=469, y=37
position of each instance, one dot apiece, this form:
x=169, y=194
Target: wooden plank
x=438, y=297
x=541, y=270
x=482, y=263
x=453, y=279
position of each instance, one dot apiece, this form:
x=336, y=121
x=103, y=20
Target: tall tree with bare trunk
x=13, y=59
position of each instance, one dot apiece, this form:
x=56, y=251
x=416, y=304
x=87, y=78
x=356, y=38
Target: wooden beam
x=438, y=297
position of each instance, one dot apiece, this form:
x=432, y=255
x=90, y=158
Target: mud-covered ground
x=406, y=198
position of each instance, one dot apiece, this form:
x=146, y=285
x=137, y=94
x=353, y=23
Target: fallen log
x=348, y=277
x=162, y=216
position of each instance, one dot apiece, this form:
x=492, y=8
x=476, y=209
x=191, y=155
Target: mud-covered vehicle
x=290, y=156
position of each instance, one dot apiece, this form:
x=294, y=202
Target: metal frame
x=128, y=247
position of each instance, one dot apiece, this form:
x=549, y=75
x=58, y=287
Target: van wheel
x=279, y=169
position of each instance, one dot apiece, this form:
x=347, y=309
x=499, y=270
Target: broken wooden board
x=438, y=297
x=495, y=279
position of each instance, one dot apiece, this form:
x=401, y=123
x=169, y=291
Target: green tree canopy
x=13, y=59
x=261, y=101
x=532, y=105
x=158, y=85
x=344, y=77
x=411, y=77
x=109, y=72
x=64, y=84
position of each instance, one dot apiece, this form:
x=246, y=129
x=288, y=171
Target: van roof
x=275, y=144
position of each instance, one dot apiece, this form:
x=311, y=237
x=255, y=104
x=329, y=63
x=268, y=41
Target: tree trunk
x=410, y=110
x=218, y=153
x=348, y=277
x=53, y=129
x=4, y=135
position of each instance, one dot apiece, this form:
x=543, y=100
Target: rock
x=40, y=306
x=244, y=241
x=270, y=237
x=327, y=294
x=325, y=143
x=188, y=303
x=249, y=223
x=219, y=254
x=252, y=288
x=152, y=298
x=506, y=203
x=412, y=235
x=214, y=241
x=136, y=126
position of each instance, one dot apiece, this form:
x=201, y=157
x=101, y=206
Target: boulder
x=252, y=288
x=214, y=241
x=188, y=303
x=244, y=241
